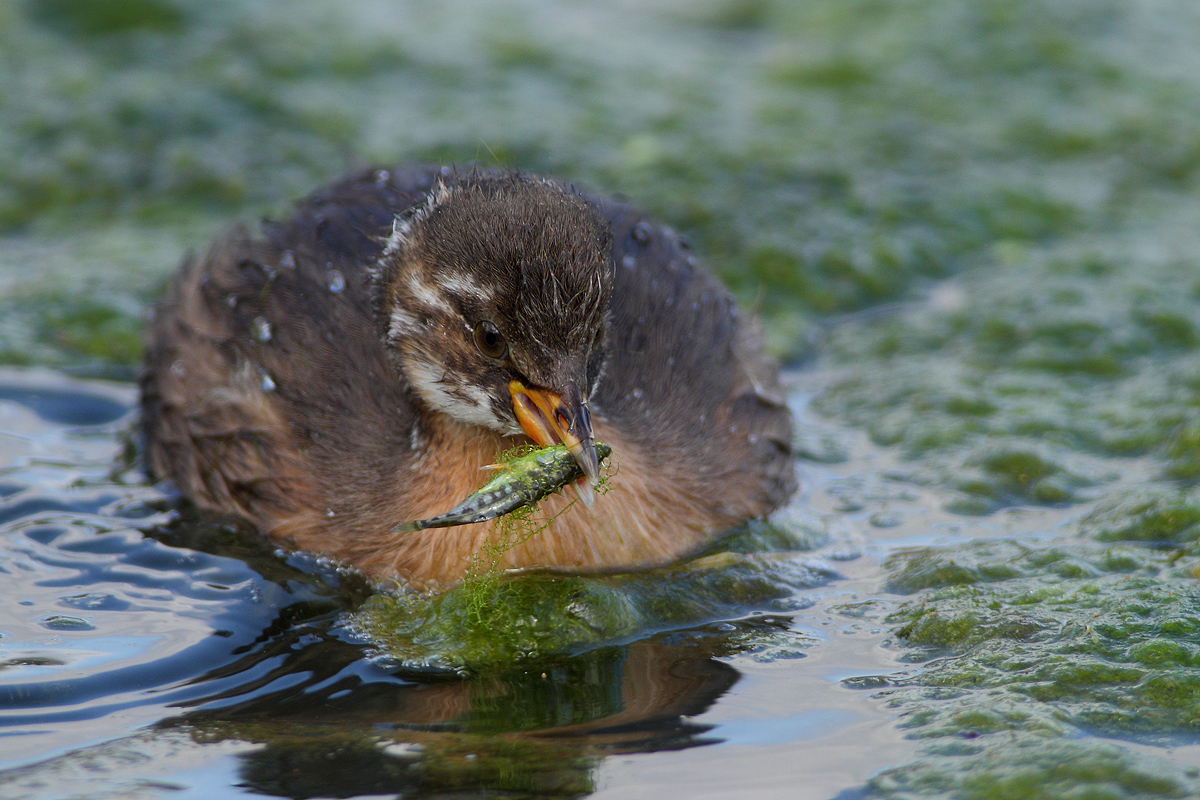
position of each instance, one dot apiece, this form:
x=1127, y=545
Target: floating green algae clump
x=1028, y=768
x=1170, y=516
x=1115, y=653
x=1025, y=646
x=502, y=620
x=1026, y=383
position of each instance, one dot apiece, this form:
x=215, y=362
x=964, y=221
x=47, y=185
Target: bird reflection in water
x=539, y=728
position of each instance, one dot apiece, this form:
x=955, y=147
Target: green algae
x=1038, y=770
x=501, y=620
x=1024, y=646
x=835, y=154
x=1023, y=412
x=997, y=561
x=1092, y=630
x=93, y=330
x=95, y=334
x=1168, y=516
x=93, y=18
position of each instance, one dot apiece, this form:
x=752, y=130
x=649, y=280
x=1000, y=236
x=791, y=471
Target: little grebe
x=355, y=366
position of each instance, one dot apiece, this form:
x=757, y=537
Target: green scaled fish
x=520, y=482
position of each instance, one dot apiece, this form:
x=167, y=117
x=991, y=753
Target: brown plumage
x=354, y=367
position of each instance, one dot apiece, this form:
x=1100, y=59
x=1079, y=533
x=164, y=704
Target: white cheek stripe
x=428, y=380
x=403, y=324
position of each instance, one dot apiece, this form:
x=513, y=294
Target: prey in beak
x=549, y=418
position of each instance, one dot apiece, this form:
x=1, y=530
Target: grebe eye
x=489, y=341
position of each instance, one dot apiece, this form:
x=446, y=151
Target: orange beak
x=549, y=418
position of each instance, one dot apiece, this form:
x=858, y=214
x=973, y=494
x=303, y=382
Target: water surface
x=971, y=229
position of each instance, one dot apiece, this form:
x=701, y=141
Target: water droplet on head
x=268, y=383
x=178, y=369
x=382, y=177
x=261, y=329
x=641, y=233
x=629, y=261
x=287, y=260
x=336, y=280
x=231, y=300
x=637, y=393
